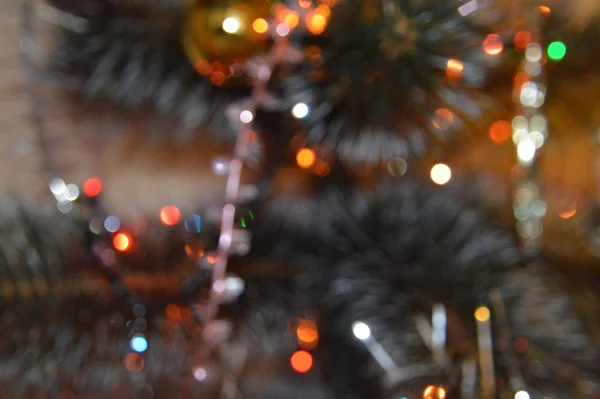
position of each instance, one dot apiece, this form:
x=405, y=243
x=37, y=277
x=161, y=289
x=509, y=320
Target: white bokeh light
x=361, y=330
x=300, y=111
x=231, y=25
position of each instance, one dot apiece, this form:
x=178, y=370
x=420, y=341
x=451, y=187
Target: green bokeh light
x=557, y=51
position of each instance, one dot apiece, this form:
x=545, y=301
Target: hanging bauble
x=220, y=36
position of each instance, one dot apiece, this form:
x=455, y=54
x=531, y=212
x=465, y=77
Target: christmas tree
x=307, y=199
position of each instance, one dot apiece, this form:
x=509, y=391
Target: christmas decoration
x=220, y=38
x=334, y=247
x=387, y=78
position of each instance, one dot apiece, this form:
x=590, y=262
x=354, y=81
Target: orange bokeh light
x=260, y=25
x=545, y=10
x=433, y=392
x=170, y=215
x=316, y=23
x=304, y=3
x=492, y=45
x=307, y=334
x=305, y=158
x=568, y=214
x=500, y=131
x=443, y=119
x=291, y=19
x=322, y=169
x=301, y=361
x=134, y=362
x=92, y=186
x=173, y=311
x=522, y=39
x=454, y=68
x=122, y=242
x=203, y=67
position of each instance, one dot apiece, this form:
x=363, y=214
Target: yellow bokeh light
x=260, y=25
x=441, y=174
x=291, y=19
x=316, y=23
x=482, y=314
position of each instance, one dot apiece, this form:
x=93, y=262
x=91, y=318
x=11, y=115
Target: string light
x=301, y=361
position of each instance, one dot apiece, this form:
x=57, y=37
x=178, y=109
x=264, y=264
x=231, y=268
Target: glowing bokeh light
x=443, y=119
x=246, y=116
x=522, y=395
x=433, y=392
x=440, y=174
x=200, y=374
x=170, y=215
x=492, y=45
x=482, y=314
x=134, y=362
x=260, y=25
x=301, y=361
x=231, y=25
x=300, y=111
x=112, y=224
x=545, y=10
x=139, y=344
x=522, y=39
x=92, y=187
x=361, y=331
x=557, y=51
x=568, y=214
x=305, y=158
x=173, y=312
x=307, y=334
x=291, y=19
x=305, y=3
x=316, y=23
x=122, y=242
x=454, y=67
x=500, y=131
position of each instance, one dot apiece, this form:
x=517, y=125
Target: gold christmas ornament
x=220, y=36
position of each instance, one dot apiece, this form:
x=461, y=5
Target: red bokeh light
x=92, y=186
